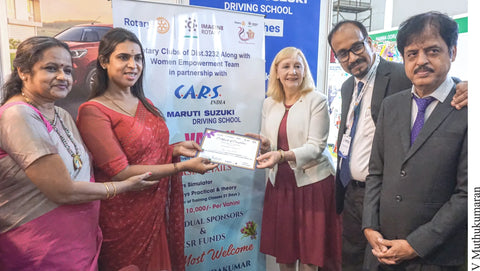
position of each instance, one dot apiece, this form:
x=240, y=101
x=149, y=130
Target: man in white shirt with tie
x=352, y=46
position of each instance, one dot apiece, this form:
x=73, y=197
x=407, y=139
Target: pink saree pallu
x=66, y=238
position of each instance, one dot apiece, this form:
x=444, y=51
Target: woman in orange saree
x=127, y=134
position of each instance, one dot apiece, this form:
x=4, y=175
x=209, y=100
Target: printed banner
x=287, y=23
x=205, y=69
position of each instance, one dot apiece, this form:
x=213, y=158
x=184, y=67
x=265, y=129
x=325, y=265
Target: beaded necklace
x=77, y=161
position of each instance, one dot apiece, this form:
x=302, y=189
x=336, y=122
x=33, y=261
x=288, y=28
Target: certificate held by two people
x=230, y=149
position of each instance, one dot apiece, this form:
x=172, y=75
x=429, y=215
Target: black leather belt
x=358, y=183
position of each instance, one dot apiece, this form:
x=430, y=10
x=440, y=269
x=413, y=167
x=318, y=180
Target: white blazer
x=307, y=133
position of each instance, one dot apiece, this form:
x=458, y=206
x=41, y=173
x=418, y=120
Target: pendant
x=77, y=162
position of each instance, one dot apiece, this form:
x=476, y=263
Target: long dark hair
x=108, y=44
x=29, y=52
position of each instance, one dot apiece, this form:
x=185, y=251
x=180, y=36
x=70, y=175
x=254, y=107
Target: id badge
x=344, y=146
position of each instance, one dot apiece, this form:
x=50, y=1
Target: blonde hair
x=275, y=87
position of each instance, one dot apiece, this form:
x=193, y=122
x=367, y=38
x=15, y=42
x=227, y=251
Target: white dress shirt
x=362, y=143
x=440, y=94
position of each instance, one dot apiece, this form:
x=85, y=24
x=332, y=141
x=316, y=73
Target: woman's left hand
x=186, y=148
x=268, y=160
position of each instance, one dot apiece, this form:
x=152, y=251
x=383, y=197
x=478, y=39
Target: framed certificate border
x=230, y=149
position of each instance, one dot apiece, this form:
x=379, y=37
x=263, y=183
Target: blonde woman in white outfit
x=300, y=226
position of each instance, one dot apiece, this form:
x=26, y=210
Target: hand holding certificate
x=230, y=149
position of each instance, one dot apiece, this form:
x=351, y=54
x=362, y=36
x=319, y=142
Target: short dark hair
x=29, y=52
x=359, y=25
x=107, y=46
x=415, y=25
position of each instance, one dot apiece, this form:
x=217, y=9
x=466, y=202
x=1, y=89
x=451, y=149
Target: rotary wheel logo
x=162, y=25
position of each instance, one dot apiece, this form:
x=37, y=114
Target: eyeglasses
x=357, y=48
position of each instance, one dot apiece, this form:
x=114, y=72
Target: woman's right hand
x=135, y=183
x=197, y=164
x=265, y=143
x=186, y=148
x=269, y=159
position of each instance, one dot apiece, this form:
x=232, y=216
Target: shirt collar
x=442, y=91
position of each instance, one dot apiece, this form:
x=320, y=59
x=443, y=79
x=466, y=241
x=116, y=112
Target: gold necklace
x=119, y=107
x=77, y=161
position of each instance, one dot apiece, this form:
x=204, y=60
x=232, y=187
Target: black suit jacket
x=419, y=193
x=389, y=79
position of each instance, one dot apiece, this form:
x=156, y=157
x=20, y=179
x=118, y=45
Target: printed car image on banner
x=205, y=69
x=287, y=23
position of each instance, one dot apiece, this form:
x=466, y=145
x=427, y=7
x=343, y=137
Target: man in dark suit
x=353, y=48
x=415, y=207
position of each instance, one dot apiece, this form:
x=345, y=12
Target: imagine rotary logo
x=191, y=28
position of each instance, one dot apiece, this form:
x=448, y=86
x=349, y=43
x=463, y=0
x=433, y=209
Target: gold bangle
x=175, y=168
x=282, y=156
x=108, y=190
x=114, y=190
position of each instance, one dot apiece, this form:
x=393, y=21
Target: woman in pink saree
x=126, y=135
x=49, y=204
